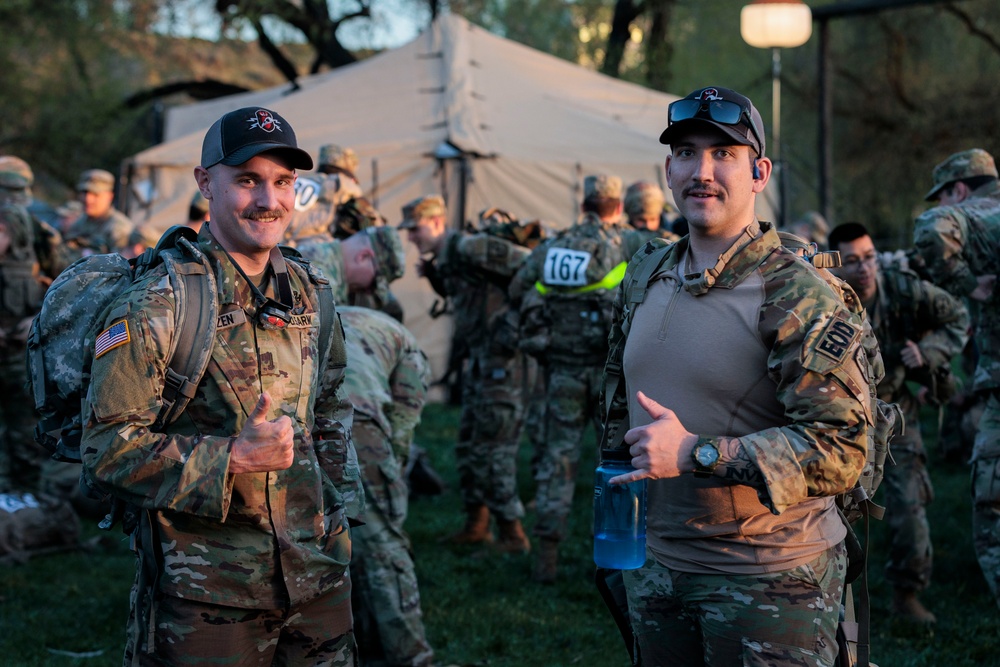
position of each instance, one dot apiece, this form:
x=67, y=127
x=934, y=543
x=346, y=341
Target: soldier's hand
x=911, y=355
x=661, y=449
x=262, y=445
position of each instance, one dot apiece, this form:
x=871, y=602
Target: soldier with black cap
x=959, y=242
x=243, y=541
x=737, y=382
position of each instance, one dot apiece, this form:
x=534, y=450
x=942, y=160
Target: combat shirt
x=761, y=350
x=252, y=540
x=959, y=243
x=325, y=254
x=91, y=236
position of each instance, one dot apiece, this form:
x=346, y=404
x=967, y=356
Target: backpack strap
x=326, y=306
x=196, y=318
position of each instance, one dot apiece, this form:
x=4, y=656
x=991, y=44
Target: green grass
x=483, y=609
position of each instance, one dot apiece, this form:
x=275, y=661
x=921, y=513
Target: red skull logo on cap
x=710, y=94
x=264, y=120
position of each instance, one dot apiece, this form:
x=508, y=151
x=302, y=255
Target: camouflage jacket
x=634, y=239
x=908, y=308
x=959, y=243
x=473, y=271
x=816, y=367
x=317, y=197
x=253, y=540
x=20, y=291
x=387, y=375
x=92, y=236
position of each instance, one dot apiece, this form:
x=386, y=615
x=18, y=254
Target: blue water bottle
x=619, y=514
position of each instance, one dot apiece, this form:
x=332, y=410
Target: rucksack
x=61, y=341
x=581, y=270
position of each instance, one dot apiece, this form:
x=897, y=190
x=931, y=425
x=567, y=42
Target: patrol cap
x=732, y=113
x=644, y=198
x=96, y=180
x=602, y=186
x=15, y=174
x=338, y=157
x=967, y=164
x=242, y=134
x=390, y=257
x=421, y=207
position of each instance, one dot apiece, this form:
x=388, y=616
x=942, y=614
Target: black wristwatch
x=706, y=457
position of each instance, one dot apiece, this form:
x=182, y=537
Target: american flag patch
x=112, y=337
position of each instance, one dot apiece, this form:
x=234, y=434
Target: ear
x=203, y=179
x=666, y=165
x=764, y=166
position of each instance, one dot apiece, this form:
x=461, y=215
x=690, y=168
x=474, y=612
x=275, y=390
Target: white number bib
x=565, y=267
x=306, y=193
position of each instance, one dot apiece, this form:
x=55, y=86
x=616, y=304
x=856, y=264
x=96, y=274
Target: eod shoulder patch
x=837, y=338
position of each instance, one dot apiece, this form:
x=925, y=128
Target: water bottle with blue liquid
x=619, y=514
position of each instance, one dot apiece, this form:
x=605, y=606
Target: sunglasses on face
x=720, y=111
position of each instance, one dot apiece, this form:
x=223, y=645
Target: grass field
x=483, y=609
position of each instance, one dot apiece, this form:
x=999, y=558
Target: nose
x=268, y=196
x=703, y=167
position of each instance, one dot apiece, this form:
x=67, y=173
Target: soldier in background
x=564, y=291
x=386, y=382
x=16, y=180
x=646, y=208
x=472, y=272
x=101, y=228
x=959, y=242
x=812, y=227
x=197, y=211
x=21, y=459
x=919, y=328
x=317, y=196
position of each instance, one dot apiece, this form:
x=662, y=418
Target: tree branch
x=970, y=25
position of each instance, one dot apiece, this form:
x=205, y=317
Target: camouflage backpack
x=581, y=270
x=62, y=336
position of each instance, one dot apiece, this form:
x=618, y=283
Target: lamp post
x=773, y=24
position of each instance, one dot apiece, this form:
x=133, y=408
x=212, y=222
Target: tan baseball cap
x=602, y=186
x=421, y=207
x=967, y=164
x=96, y=180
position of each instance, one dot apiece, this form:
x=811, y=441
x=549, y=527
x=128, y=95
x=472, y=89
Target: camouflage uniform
x=253, y=548
x=16, y=179
x=21, y=459
x=386, y=382
x=91, y=236
x=472, y=271
x=572, y=347
x=907, y=308
x=747, y=570
x=959, y=243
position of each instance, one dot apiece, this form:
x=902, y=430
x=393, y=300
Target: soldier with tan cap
x=101, y=228
x=646, y=207
x=472, y=272
x=959, y=242
x=319, y=196
x=565, y=291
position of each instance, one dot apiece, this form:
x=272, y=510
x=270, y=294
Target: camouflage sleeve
x=821, y=370
x=492, y=255
x=527, y=274
x=946, y=320
x=939, y=236
x=121, y=233
x=154, y=470
x=334, y=417
x=408, y=383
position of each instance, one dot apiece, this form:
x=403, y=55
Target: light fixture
x=777, y=24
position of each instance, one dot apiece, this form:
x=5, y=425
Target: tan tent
x=458, y=111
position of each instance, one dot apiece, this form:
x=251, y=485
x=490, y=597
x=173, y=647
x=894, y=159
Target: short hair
x=845, y=233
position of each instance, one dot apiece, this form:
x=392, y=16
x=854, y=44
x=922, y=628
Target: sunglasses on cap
x=720, y=111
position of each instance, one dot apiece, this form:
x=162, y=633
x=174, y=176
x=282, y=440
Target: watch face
x=706, y=455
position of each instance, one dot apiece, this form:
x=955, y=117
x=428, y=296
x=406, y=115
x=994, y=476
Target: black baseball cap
x=732, y=113
x=240, y=135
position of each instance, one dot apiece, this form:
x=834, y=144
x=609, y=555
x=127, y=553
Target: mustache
x=701, y=190
x=265, y=214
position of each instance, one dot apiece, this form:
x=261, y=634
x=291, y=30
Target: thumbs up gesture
x=262, y=445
